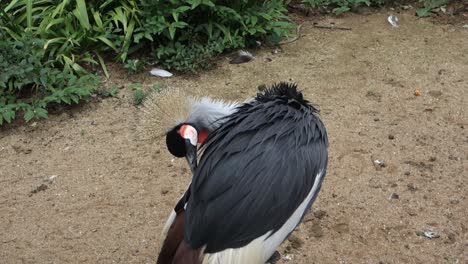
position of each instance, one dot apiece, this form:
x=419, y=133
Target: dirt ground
x=110, y=193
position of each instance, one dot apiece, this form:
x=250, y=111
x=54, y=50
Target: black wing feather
x=256, y=169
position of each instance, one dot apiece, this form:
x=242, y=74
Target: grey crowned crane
x=261, y=168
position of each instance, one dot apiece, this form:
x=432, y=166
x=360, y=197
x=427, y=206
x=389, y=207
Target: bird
x=261, y=166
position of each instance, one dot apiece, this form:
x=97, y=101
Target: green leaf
x=28, y=115
x=11, y=5
x=82, y=14
x=340, y=10
x=66, y=100
x=127, y=40
x=254, y=20
x=97, y=18
x=74, y=98
x=107, y=42
x=103, y=65
x=29, y=14
x=8, y=115
x=77, y=68
x=423, y=12
x=208, y=3
x=195, y=3
x=172, y=31
x=41, y=112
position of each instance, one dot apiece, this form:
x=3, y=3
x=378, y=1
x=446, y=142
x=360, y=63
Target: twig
x=333, y=27
x=298, y=35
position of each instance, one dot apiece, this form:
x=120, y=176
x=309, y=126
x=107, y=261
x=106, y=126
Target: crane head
x=183, y=119
x=182, y=140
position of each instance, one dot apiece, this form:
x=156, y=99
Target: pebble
x=428, y=234
x=394, y=196
x=380, y=163
x=411, y=187
x=319, y=214
x=51, y=179
x=296, y=242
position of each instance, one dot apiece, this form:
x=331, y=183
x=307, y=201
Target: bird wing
x=255, y=171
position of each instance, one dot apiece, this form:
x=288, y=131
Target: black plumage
x=255, y=170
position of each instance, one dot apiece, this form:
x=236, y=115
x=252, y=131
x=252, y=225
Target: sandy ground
x=112, y=193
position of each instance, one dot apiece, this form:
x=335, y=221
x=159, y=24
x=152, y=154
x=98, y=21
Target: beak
x=191, y=155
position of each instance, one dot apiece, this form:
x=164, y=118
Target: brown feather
x=174, y=238
x=187, y=255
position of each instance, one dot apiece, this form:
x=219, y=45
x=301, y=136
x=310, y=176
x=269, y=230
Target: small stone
x=287, y=257
x=51, y=179
x=428, y=234
x=379, y=163
x=432, y=159
x=411, y=187
x=406, y=7
x=40, y=188
x=407, y=173
x=296, y=242
x=164, y=191
x=320, y=214
x=451, y=238
x=391, y=137
x=394, y=196
x=316, y=230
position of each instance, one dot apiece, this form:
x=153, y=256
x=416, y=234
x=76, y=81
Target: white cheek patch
x=190, y=133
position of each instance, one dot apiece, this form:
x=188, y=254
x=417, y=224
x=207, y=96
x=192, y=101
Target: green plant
x=75, y=32
x=188, y=33
x=157, y=87
x=134, y=65
x=111, y=92
x=342, y=6
x=139, y=95
x=29, y=83
x=429, y=6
